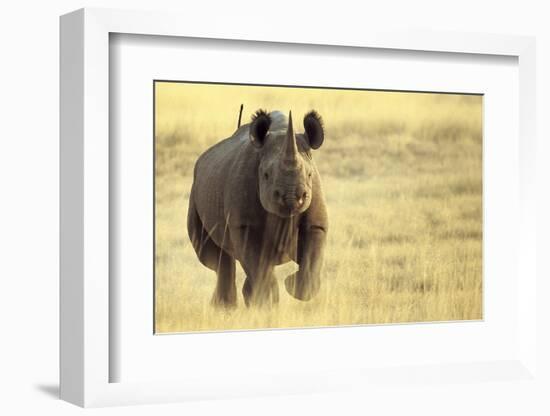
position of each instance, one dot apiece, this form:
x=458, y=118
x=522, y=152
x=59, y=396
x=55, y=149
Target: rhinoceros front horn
x=290, y=150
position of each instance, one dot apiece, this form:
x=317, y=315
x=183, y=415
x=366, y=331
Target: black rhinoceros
x=256, y=198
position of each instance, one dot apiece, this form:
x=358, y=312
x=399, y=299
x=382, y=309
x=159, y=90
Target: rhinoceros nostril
x=277, y=194
x=301, y=197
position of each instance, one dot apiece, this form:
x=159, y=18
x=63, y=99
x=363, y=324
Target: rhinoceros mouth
x=285, y=212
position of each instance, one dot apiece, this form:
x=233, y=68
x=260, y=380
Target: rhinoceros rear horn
x=259, y=127
x=313, y=125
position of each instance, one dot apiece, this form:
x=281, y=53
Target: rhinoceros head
x=286, y=171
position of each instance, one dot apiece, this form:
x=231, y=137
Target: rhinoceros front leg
x=260, y=290
x=260, y=287
x=305, y=283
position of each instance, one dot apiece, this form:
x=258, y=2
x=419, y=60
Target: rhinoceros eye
x=266, y=176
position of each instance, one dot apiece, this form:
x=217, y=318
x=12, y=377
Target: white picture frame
x=85, y=355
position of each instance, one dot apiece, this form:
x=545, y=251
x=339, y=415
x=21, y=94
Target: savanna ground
x=402, y=174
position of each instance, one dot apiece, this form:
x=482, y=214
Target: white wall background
x=29, y=116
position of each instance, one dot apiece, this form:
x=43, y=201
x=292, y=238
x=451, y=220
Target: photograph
x=281, y=206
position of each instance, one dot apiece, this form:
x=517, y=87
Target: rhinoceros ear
x=259, y=127
x=313, y=125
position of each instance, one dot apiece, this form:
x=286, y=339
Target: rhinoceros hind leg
x=215, y=258
x=225, y=293
x=247, y=291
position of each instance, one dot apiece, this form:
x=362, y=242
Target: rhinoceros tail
x=240, y=116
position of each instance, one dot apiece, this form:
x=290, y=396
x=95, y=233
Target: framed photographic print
x=234, y=224
x=399, y=180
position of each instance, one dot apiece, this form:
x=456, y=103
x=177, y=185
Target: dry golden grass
x=402, y=174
